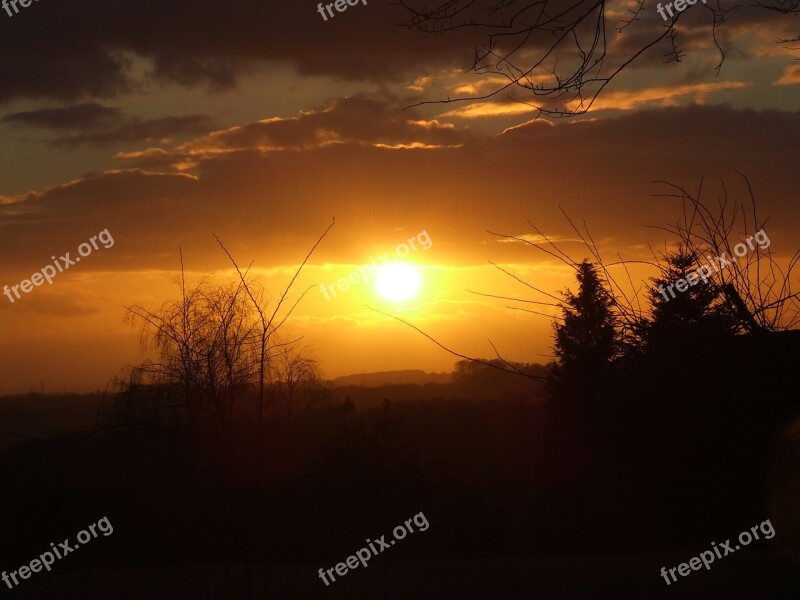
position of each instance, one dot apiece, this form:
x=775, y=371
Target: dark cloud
x=77, y=50
x=54, y=50
x=78, y=116
x=38, y=62
x=136, y=130
x=270, y=204
x=102, y=125
x=643, y=42
x=360, y=118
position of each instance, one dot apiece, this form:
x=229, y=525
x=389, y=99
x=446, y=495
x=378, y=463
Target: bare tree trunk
x=267, y=330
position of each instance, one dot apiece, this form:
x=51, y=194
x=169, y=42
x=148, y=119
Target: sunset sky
x=259, y=122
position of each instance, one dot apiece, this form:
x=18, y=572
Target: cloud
x=629, y=99
x=359, y=119
x=101, y=125
x=77, y=116
x=659, y=95
x=206, y=43
x=50, y=303
x=136, y=130
x=478, y=110
x=697, y=57
x=158, y=159
x=481, y=86
x=115, y=46
x=790, y=75
x=535, y=238
x=271, y=206
x=419, y=84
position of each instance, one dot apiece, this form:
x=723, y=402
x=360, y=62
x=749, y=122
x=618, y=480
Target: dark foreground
x=757, y=575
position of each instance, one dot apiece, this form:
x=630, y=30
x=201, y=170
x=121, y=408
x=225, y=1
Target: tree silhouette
x=586, y=342
x=298, y=379
x=205, y=344
x=756, y=285
x=677, y=318
x=219, y=341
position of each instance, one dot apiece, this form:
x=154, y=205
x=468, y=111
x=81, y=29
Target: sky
x=262, y=122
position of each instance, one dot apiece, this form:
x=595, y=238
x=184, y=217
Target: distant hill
x=383, y=378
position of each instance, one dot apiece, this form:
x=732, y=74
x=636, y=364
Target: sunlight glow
x=397, y=282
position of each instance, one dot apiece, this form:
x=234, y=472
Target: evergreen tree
x=586, y=342
x=581, y=385
x=696, y=315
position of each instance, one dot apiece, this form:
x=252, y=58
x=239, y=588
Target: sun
x=397, y=282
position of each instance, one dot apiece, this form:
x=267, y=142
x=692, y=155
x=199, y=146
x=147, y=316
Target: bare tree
x=214, y=342
x=204, y=344
x=625, y=299
x=267, y=345
x=218, y=340
x=755, y=283
x=561, y=54
x=297, y=378
x=269, y=327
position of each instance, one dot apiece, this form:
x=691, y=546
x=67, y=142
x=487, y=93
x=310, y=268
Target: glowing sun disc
x=397, y=282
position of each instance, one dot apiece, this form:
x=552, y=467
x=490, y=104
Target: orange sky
x=263, y=123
